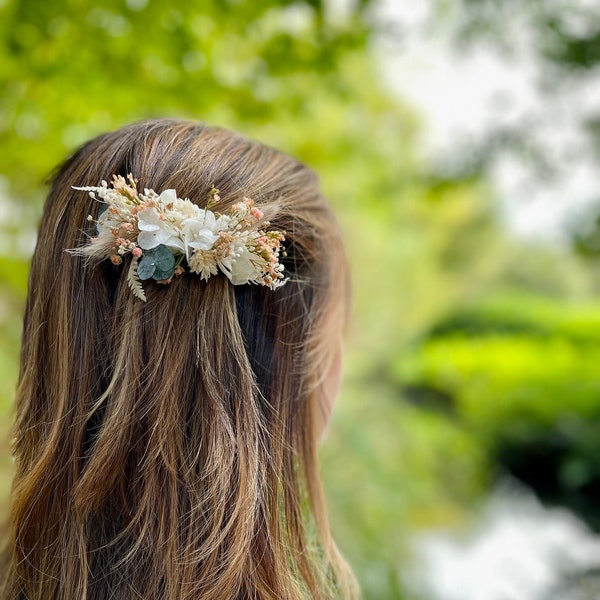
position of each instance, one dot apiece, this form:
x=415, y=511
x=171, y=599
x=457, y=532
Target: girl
x=180, y=359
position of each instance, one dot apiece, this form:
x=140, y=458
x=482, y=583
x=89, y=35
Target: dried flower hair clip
x=163, y=233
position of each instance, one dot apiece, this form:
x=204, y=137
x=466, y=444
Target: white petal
x=242, y=270
x=149, y=220
x=222, y=223
x=209, y=220
x=175, y=245
x=150, y=239
x=168, y=196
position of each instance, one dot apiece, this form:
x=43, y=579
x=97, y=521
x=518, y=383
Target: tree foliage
x=71, y=69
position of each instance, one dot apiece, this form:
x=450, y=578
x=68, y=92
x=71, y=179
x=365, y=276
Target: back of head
x=166, y=449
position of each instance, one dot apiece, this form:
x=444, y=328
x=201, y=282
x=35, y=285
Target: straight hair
x=167, y=450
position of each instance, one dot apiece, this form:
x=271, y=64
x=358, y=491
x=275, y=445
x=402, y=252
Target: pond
x=515, y=549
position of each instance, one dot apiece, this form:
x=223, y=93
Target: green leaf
x=146, y=266
x=164, y=262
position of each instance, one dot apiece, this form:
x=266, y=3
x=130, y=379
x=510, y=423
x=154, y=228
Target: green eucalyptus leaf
x=164, y=262
x=146, y=267
x=157, y=263
x=162, y=274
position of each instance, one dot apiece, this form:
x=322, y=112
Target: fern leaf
x=133, y=280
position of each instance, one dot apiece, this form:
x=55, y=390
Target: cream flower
x=238, y=266
x=185, y=209
x=155, y=231
x=202, y=232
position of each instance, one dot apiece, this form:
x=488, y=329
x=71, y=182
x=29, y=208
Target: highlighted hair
x=167, y=450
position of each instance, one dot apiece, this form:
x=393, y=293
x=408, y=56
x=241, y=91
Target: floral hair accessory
x=163, y=233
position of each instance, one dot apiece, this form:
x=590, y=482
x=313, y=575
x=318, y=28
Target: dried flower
x=161, y=231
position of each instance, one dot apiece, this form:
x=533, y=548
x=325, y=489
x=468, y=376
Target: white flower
x=168, y=196
x=238, y=266
x=174, y=208
x=200, y=233
x=155, y=231
x=185, y=209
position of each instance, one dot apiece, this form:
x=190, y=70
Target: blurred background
x=458, y=142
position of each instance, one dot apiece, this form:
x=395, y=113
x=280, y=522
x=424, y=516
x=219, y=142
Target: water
x=516, y=550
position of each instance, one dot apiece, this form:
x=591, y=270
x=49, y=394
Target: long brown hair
x=167, y=450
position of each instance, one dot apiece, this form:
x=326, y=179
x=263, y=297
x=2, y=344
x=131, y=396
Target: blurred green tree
x=519, y=374
x=71, y=69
